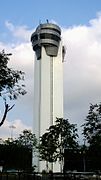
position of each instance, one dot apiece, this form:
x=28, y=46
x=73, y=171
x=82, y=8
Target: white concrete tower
x=48, y=78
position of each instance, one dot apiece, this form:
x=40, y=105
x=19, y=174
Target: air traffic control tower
x=48, y=80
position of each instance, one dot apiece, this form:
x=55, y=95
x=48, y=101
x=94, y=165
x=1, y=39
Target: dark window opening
x=53, y=30
x=49, y=36
x=35, y=38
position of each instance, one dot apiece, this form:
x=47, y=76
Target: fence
x=49, y=176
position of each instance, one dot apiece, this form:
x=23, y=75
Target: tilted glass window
x=49, y=36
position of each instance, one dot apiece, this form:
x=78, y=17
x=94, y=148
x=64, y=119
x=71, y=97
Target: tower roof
x=49, y=26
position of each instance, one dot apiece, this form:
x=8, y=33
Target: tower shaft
x=48, y=79
x=48, y=91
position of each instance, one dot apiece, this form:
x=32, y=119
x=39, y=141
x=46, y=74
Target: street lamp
x=12, y=127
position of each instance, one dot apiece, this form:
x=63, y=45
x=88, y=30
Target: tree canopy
x=9, y=79
x=11, y=85
x=92, y=125
x=58, y=137
x=27, y=138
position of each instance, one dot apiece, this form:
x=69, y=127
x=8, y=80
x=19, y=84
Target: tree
x=92, y=125
x=58, y=137
x=48, y=148
x=27, y=138
x=92, y=135
x=10, y=86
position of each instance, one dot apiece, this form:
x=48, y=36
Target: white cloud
x=82, y=74
x=21, y=32
x=12, y=129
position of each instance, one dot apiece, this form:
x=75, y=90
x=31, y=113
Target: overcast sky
x=80, y=21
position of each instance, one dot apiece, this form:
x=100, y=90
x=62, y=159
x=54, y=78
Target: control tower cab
x=47, y=35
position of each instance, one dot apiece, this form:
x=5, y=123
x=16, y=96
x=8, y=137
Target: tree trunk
x=7, y=108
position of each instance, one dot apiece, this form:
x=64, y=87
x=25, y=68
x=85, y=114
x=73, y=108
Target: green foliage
x=48, y=147
x=27, y=138
x=10, y=83
x=58, y=137
x=92, y=125
x=67, y=133
x=9, y=79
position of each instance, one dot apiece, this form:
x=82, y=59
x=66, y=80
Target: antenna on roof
x=39, y=22
x=47, y=20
